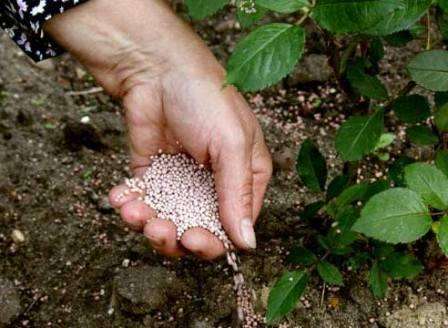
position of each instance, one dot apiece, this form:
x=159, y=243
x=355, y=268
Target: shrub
x=366, y=220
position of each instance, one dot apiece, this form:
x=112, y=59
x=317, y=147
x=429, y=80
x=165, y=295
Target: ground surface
x=77, y=265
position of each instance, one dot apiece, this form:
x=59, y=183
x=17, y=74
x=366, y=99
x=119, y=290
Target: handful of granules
x=183, y=191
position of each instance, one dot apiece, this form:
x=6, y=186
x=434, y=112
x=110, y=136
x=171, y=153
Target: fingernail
x=248, y=233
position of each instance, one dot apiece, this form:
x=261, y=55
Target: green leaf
x=285, y=294
x=248, y=19
x=366, y=85
x=382, y=250
x=442, y=22
x=311, y=210
x=265, y=56
x=441, y=118
x=396, y=215
x=378, y=281
x=442, y=235
x=442, y=161
x=311, y=166
x=399, y=39
x=301, y=256
x=401, y=266
x=386, y=139
x=358, y=192
x=402, y=18
x=441, y=99
x=396, y=170
x=429, y=182
x=329, y=273
x=346, y=218
x=359, y=135
x=358, y=260
x=421, y=135
x=348, y=16
x=336, y=186
x=429, y=69
x=376, y=50
x=200, y=9
x=283, y=6
x=443, y=4
x=412, y=109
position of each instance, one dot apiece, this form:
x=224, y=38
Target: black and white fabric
x=23, y=20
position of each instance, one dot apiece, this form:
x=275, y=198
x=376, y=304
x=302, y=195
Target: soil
x=79, y=266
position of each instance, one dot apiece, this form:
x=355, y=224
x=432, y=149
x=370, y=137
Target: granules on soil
x=182, y=191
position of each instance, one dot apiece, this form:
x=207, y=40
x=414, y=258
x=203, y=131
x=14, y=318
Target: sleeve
x=23, y=20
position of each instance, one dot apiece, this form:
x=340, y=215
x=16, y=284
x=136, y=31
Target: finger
x=262, y=173
x=120, y=195
x=233, y=174
x=202, y=243
x=162, y=236
x=136, y=213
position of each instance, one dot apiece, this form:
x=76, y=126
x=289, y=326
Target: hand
x=172, y=91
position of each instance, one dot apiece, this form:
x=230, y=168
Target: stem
x=311, y=268
x=428, y=30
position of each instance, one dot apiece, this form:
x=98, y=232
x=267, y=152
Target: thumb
x=233, y=177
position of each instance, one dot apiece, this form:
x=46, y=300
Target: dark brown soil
x=78, y=266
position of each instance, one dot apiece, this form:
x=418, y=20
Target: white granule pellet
x=182, y=191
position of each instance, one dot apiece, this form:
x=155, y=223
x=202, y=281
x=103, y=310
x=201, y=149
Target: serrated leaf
x=429, y=69
x=285, y=294
x=429, y=182
x=442, y=235
x=283, y=6
x=311, y=166
x=442, y=161
x=396, y=170
x=396, y=215
x=265, y=56
x=412, y=109
x=366, y=85
x=329, y=273
x=401, y=266
x=378, y=281
x=421, y=135
x=301, y=256
x=248, y=19
x=348, y=16
x=441, y=118
x=359, y=135
x=200, y=9
x=402, y=18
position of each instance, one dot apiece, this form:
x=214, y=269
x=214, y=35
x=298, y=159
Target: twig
x=322, y=295
x=85, y=92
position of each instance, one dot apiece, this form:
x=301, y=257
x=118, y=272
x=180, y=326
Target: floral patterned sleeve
x=23, y=21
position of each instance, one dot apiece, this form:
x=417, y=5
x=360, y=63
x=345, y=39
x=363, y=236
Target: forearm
x=111, y=38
